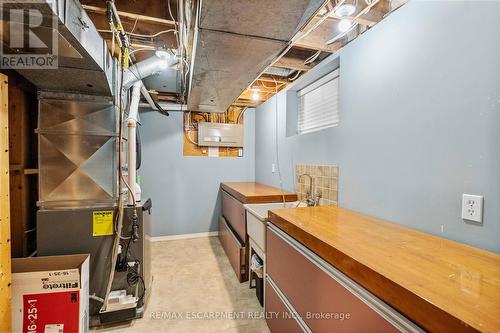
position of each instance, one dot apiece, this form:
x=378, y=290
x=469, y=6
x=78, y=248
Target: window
x=319, y=104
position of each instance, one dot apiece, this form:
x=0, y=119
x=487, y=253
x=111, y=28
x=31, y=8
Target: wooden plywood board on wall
x=5, y=258
x=190, y=138
x=23, y=159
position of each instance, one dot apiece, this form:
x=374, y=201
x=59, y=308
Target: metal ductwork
x=84, y=63
x=77, y=150
x=236, y=41
x=278, y=71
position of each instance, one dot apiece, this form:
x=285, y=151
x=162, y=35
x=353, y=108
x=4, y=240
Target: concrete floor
x=193, y=279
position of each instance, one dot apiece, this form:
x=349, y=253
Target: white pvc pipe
x=134, y=191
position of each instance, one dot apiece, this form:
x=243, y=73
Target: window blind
x=318, y=104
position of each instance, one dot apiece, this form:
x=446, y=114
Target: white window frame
x=334, y=119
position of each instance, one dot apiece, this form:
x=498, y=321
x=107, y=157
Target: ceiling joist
x=131, y=16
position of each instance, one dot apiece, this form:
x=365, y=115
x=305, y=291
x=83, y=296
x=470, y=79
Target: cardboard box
x=50, y=294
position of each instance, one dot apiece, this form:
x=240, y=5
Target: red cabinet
x=232, y=234
x=279, y=318
x=235, y=251
x=325, y=299
x=234, y=212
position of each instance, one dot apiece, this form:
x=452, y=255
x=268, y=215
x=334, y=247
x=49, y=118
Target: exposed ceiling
x=303, y=42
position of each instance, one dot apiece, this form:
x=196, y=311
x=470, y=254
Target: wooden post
x=5, y=268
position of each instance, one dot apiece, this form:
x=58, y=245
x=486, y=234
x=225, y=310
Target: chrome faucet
x=311, y=200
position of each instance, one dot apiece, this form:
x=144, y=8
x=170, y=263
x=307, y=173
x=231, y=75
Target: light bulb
x=255, y=94
x=344, y=25
x=346, y=9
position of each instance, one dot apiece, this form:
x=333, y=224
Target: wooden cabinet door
x=327, y=300
x=235, y=251
x=234, y=212
x=279, y=318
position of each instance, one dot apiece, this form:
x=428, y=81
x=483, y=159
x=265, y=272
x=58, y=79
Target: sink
x=257, y=215
x=260, y=211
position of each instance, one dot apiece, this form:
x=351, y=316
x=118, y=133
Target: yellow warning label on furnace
x=102, y=223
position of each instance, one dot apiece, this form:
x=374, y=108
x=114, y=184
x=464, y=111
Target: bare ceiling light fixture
x=347, y=8
x=345, y=25
x=255, y=93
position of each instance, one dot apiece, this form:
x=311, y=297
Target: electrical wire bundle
x=133, y=275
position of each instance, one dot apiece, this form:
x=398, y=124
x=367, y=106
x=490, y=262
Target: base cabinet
x=279, y=317
x=325, y=299
x=235, y=250
x=233, y=234
x=234, y=212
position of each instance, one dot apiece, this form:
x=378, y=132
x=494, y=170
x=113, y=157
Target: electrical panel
x=220, y=135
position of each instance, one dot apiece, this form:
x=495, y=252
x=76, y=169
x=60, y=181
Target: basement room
x=249, y=166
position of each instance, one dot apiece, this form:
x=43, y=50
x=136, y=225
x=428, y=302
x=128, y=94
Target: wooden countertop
x=251, y=192
x=442, y=285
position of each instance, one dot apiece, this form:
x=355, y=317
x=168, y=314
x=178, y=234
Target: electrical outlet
x=472, y=207
x=273, y=168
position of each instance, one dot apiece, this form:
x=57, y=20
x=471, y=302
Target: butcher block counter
x=251, y=192
x=441, y=285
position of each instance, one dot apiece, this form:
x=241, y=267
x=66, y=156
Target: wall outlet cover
x=472, y=207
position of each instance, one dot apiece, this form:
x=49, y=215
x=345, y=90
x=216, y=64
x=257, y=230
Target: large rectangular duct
x=236, y=41
x=77, y=150
x=84, y=63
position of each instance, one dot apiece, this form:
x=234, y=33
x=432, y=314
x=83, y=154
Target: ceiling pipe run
x=133, y=79
x=165, y=106
x=146, y=68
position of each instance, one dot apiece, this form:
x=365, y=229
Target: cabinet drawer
x=234, y=212
x=235, y=251
x=279, y=317
x=314, y=287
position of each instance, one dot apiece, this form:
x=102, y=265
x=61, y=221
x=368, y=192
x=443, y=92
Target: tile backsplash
x=325, y=180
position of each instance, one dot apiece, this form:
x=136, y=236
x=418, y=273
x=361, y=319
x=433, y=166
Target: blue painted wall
x=419, y=121
x=184, y=190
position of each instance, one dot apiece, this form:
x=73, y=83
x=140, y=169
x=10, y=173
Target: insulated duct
x=234, y=45
x=84, y=64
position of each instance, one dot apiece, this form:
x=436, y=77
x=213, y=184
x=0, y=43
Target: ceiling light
x=346, y=9
x=255, y=94
x=345, y=25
